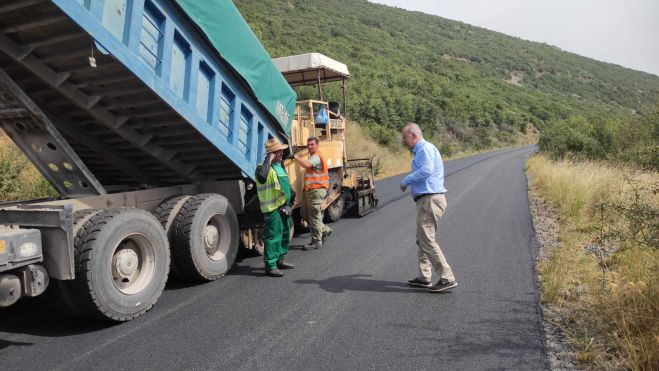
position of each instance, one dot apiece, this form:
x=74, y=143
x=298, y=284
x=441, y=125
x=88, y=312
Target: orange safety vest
x=317, y=179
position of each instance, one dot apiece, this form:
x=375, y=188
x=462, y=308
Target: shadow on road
x=356, y=282
x=34, y=317
x=296, y=247
x=246, y=270
x=6, y=343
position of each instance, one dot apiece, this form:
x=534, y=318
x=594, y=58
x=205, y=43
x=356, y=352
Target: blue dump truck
x=149, y=118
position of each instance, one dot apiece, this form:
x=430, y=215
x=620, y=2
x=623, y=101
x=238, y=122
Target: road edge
x=560, y=351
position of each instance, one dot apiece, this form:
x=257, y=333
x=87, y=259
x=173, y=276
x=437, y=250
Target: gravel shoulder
x=545, y=220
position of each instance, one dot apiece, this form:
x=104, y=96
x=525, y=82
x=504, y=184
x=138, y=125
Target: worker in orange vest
x=316, y=185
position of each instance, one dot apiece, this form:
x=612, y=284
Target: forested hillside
x=464, y=83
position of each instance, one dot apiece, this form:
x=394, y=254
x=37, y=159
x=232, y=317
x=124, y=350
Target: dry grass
x=19, y=179
x=608, y=285
x=386, y=162
x=4, y=140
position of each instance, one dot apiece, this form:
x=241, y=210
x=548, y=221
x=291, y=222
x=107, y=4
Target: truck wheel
x=122, y=261
x=204, y=237
x=334, y=211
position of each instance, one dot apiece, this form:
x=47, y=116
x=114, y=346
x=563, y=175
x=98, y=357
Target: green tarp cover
x=234, y=40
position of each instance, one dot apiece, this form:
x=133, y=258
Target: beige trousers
x=314, y=202
x=429, y=210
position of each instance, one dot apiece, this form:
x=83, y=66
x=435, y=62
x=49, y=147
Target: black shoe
x=443, y=286
x=419, y=283
x=283, y=264
x=274, y=273
x=311, y=246
x=326, y=234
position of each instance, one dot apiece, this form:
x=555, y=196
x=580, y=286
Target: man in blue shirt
x=426, y=184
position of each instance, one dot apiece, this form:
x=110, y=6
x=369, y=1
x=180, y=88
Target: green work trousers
x=314, y=201
x=275, y=238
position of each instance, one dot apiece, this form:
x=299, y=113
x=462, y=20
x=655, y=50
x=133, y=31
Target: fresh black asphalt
x=345, y=306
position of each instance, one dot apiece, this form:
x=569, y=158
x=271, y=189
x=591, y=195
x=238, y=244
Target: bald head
x=412, y=128
x=411, y=135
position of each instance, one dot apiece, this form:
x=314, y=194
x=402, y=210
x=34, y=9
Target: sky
x=624, y=32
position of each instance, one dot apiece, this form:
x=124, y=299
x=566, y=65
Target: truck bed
x=161, y=106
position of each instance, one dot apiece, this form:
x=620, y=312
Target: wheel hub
x=126, y=263
x=133, y=264
x=211, y=237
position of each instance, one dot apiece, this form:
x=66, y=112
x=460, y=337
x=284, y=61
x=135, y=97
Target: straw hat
x=273, y=145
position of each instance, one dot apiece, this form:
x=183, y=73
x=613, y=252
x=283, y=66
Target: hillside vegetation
x=599, y=137
x=471, y=87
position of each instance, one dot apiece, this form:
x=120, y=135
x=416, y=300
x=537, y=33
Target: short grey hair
x=413, y=128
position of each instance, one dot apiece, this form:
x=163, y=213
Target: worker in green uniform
x=275, y=198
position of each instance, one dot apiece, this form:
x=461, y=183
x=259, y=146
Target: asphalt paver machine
x=352, y=189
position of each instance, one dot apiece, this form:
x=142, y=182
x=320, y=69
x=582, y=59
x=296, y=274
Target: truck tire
x=58, y=295
x=204, y=238
x=334, y=211
x=136, y=248
x=166, y=213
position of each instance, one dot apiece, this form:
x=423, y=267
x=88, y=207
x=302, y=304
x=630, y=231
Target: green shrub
x=446, y=150
x=569, y=137
x=523, y=127
x=481, y=139
x=639, y=142
x=599, y=137
x=384, y=136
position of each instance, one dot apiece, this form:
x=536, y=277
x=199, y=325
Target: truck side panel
x=161, y=48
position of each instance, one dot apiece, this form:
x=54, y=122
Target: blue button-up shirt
x=427, y=170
